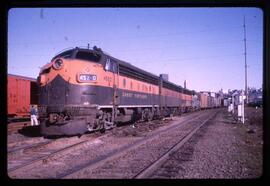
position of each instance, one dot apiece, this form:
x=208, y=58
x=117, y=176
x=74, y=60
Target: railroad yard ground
x=202, y=144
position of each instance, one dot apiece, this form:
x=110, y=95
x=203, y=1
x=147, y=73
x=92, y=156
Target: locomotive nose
x=56, y=91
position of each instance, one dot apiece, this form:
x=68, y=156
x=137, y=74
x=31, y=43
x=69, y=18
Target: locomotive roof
x=98, y=50
x=128, y=65
x=134, y=67
x=145, y=72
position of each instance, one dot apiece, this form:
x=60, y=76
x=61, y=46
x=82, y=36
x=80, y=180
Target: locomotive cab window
x=89, y=56
x=111, y=65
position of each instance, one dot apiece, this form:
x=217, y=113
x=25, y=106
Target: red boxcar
x=21, y=93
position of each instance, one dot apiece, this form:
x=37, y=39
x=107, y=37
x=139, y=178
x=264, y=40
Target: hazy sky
x=201, y=45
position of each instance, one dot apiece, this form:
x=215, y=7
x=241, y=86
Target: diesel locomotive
x=85, y=89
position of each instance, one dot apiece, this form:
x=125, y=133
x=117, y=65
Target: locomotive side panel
x=134, y=92
x=188, y=100
x=182, y=100
x=137, y=99
x=170, y=98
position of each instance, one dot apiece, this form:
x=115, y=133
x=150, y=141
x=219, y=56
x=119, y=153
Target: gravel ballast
x=222, y=149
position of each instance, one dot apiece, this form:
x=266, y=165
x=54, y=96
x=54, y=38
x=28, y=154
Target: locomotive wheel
x=147, y=115
x=151, y=115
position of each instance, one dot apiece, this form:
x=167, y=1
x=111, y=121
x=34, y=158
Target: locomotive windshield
x=80, y=54
x=89, y=56
x=66, y=54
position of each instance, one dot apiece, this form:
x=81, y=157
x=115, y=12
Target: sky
x=204, y=46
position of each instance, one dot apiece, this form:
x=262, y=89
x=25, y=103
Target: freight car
x=209, y=100
x=87, y=90
x=203, y=97
x=21, y=93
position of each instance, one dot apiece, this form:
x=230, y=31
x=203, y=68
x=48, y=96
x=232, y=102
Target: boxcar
x=21, y=93
x=203, y=100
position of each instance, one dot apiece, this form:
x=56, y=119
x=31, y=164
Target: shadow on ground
x=30, y=131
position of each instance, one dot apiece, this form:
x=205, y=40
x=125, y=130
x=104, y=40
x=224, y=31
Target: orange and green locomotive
x=87, y=90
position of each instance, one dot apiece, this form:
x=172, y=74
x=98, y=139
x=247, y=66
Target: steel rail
x=41, y=159
x=29, y=146
x=96, y=162
x=46, y=156
x=147, y=171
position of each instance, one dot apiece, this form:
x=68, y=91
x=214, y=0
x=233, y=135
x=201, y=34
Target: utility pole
x=245, y=40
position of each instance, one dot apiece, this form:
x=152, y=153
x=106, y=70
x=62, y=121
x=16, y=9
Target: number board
x=87, y=77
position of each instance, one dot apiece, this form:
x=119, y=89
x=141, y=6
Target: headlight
x=58, y=64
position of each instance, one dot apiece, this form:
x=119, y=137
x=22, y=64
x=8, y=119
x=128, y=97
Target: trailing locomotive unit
x=86, y=90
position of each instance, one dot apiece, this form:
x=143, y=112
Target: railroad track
x=104, y=164
x=53, y=156
x=31, y=160
x=42, y=156
x=15, y=127
x=26, y=147
x=25, y=162
x=150, y=169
